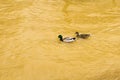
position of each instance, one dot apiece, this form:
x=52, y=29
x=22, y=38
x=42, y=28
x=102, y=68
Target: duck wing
x=69, y=38
x=84, y=35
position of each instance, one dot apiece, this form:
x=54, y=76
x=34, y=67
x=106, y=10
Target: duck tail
x=74, y=38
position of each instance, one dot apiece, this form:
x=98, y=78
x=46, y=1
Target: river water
x=31, y=50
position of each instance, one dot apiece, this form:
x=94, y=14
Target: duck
x=66, y=39
x=83, y=36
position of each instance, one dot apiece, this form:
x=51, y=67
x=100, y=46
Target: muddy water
x=30, y=49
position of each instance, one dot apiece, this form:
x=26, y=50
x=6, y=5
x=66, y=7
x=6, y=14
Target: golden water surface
x=31, y=50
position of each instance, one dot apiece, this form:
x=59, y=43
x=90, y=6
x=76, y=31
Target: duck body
x=66, y=39
x=83, y=36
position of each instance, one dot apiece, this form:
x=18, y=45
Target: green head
x=60, y=37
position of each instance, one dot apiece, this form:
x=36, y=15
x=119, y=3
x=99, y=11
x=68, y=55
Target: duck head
x=60, y=37
x=77, y=34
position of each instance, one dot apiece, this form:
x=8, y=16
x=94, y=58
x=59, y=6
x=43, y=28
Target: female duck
x=83, y=36
x=66, y=39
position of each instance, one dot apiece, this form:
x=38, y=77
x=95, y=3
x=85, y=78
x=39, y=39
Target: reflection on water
x=30, y=49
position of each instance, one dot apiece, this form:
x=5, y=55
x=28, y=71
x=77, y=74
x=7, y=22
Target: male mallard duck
x=66, y=39
x=83, y=36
